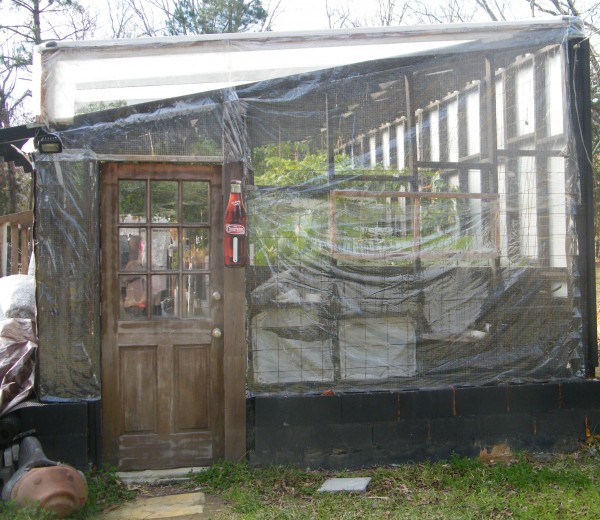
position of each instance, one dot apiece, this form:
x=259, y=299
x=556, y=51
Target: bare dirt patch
x=214, y=507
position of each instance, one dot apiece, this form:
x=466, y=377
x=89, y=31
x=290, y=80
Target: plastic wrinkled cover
x=412, y=213
x=67, y=277
x=17, y=296
x=17, y=361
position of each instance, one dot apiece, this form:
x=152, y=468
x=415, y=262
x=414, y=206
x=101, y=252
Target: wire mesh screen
x=414, y=221
x=67, y=278
x=190, y=129
x=410, y=226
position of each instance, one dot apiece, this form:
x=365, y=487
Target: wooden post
x=490, y=149
x=416, y=225
x=3, y=249
x=235, y=146
x=330, y=144
x=24, y=249
x=234, y=345
x=21, y=228
x=541, y=109
x=413, y=170
x=14, y=249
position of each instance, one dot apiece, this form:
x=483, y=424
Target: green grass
x=524, y=487
x=461, y=488
x=10, y=511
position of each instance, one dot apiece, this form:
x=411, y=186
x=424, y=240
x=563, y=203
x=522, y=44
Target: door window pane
x=164, y=201
x=164, y=260
x=165, y=249
x=132, y=201
x=195, y=202
x=132, y=297
x=165, y=296
x=132, y=249
x=196, y=299
x=195, y=248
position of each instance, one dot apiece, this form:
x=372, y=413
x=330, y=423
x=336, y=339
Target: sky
x=301, y=15
x=311, y=14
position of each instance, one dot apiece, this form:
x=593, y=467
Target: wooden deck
x=16, y=242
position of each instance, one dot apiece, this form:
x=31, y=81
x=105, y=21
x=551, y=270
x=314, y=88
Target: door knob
x=216, y=296
x=217, y=333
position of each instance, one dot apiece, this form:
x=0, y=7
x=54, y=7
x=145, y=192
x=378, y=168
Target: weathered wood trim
x=19, y=226
x=235, y=349
x=25, y=218
x=190, y=159
x=3, y=248
x=109, y=310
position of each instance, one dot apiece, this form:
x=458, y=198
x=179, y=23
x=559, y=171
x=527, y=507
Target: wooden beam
x=234, y=344
x=3, y=249
x=24, y=249
x=414, y=195
x=330, y=142
x=23, y=217
x=412, y=133
x=14, y=250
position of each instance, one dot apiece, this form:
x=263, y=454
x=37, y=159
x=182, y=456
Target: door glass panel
x=165, y=296
x=132, y=201
x=195, y=202
x=195, y=248
x=164, y=201
x=163, y=264
x=165, y=249
x=132, y=249
x=196, y=299
x=133, y=297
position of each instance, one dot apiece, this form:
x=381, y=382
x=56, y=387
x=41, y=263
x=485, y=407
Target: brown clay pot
x=60, y=489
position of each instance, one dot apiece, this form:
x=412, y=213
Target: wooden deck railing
x=16, y=242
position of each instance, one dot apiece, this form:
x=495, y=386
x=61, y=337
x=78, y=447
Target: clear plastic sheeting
x=411, y=224
x=79, y=77
x=17, y=362
x=415, y=213
x=67, y=278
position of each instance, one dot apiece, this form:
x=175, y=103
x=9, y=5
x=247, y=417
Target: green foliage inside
x=293, y=226
x=285, y=227
x=291, y=163
x=288, y=164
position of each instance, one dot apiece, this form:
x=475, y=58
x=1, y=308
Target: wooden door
x=162, y=369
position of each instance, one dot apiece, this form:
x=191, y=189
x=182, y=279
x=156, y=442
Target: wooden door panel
x=138, y=389
x=192, y=371
x=162, y=375
x=131, y=333
x=166, y=451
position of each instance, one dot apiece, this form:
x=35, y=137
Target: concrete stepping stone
x=184, y=506
x=349, y=485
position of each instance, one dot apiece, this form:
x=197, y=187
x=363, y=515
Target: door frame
x=235, y=348
x=234, y=318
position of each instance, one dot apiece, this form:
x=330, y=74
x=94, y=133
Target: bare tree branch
x=144, y=11
x=274, y=8
x=484, y=5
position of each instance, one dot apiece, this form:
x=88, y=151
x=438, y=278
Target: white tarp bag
x=17, y=296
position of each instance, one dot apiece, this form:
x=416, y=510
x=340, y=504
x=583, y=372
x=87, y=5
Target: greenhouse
x=419, y=221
